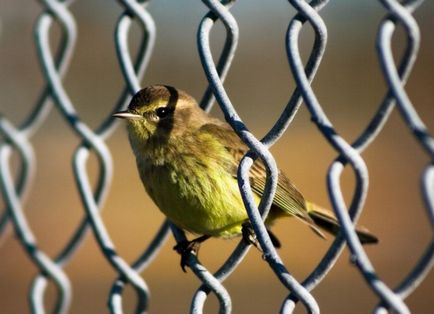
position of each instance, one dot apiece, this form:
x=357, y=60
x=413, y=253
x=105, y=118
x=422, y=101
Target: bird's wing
x=287, y=197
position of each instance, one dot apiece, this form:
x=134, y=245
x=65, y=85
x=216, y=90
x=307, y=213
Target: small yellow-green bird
x=188, y=164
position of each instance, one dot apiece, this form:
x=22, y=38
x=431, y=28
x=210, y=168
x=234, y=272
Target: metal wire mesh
x=17, y=145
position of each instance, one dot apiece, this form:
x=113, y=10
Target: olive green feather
x=188, y=164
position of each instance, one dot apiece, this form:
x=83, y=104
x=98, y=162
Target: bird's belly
x=205, y=203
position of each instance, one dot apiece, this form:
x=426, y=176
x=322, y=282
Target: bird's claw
x=249, y=235
x=185, y=248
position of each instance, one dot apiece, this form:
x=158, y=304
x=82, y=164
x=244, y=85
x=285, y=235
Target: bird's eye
x=163, y=112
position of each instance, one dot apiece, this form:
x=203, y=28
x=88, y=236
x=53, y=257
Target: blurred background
x=349, y=86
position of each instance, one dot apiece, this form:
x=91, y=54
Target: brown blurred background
x=349, y=85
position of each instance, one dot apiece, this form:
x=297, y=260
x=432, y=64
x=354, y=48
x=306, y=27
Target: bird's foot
x=249, y=235
x=185, y=248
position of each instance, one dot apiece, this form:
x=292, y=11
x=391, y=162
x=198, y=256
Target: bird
x=187, y=162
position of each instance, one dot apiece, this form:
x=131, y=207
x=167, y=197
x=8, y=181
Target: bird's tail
x=327, y=221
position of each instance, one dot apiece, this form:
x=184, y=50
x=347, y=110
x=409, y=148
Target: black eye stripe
x=163, y=112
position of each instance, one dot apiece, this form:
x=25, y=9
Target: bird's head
x=160, y=112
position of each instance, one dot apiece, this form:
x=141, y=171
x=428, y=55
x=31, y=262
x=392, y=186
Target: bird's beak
x=127, y=115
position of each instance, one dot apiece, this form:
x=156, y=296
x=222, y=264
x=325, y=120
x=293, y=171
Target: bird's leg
x=184, y=248
x=249, y=235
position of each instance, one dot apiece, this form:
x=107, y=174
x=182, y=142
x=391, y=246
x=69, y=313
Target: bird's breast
x=201, y=197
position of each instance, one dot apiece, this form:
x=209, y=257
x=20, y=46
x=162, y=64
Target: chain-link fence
x=50, y=249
